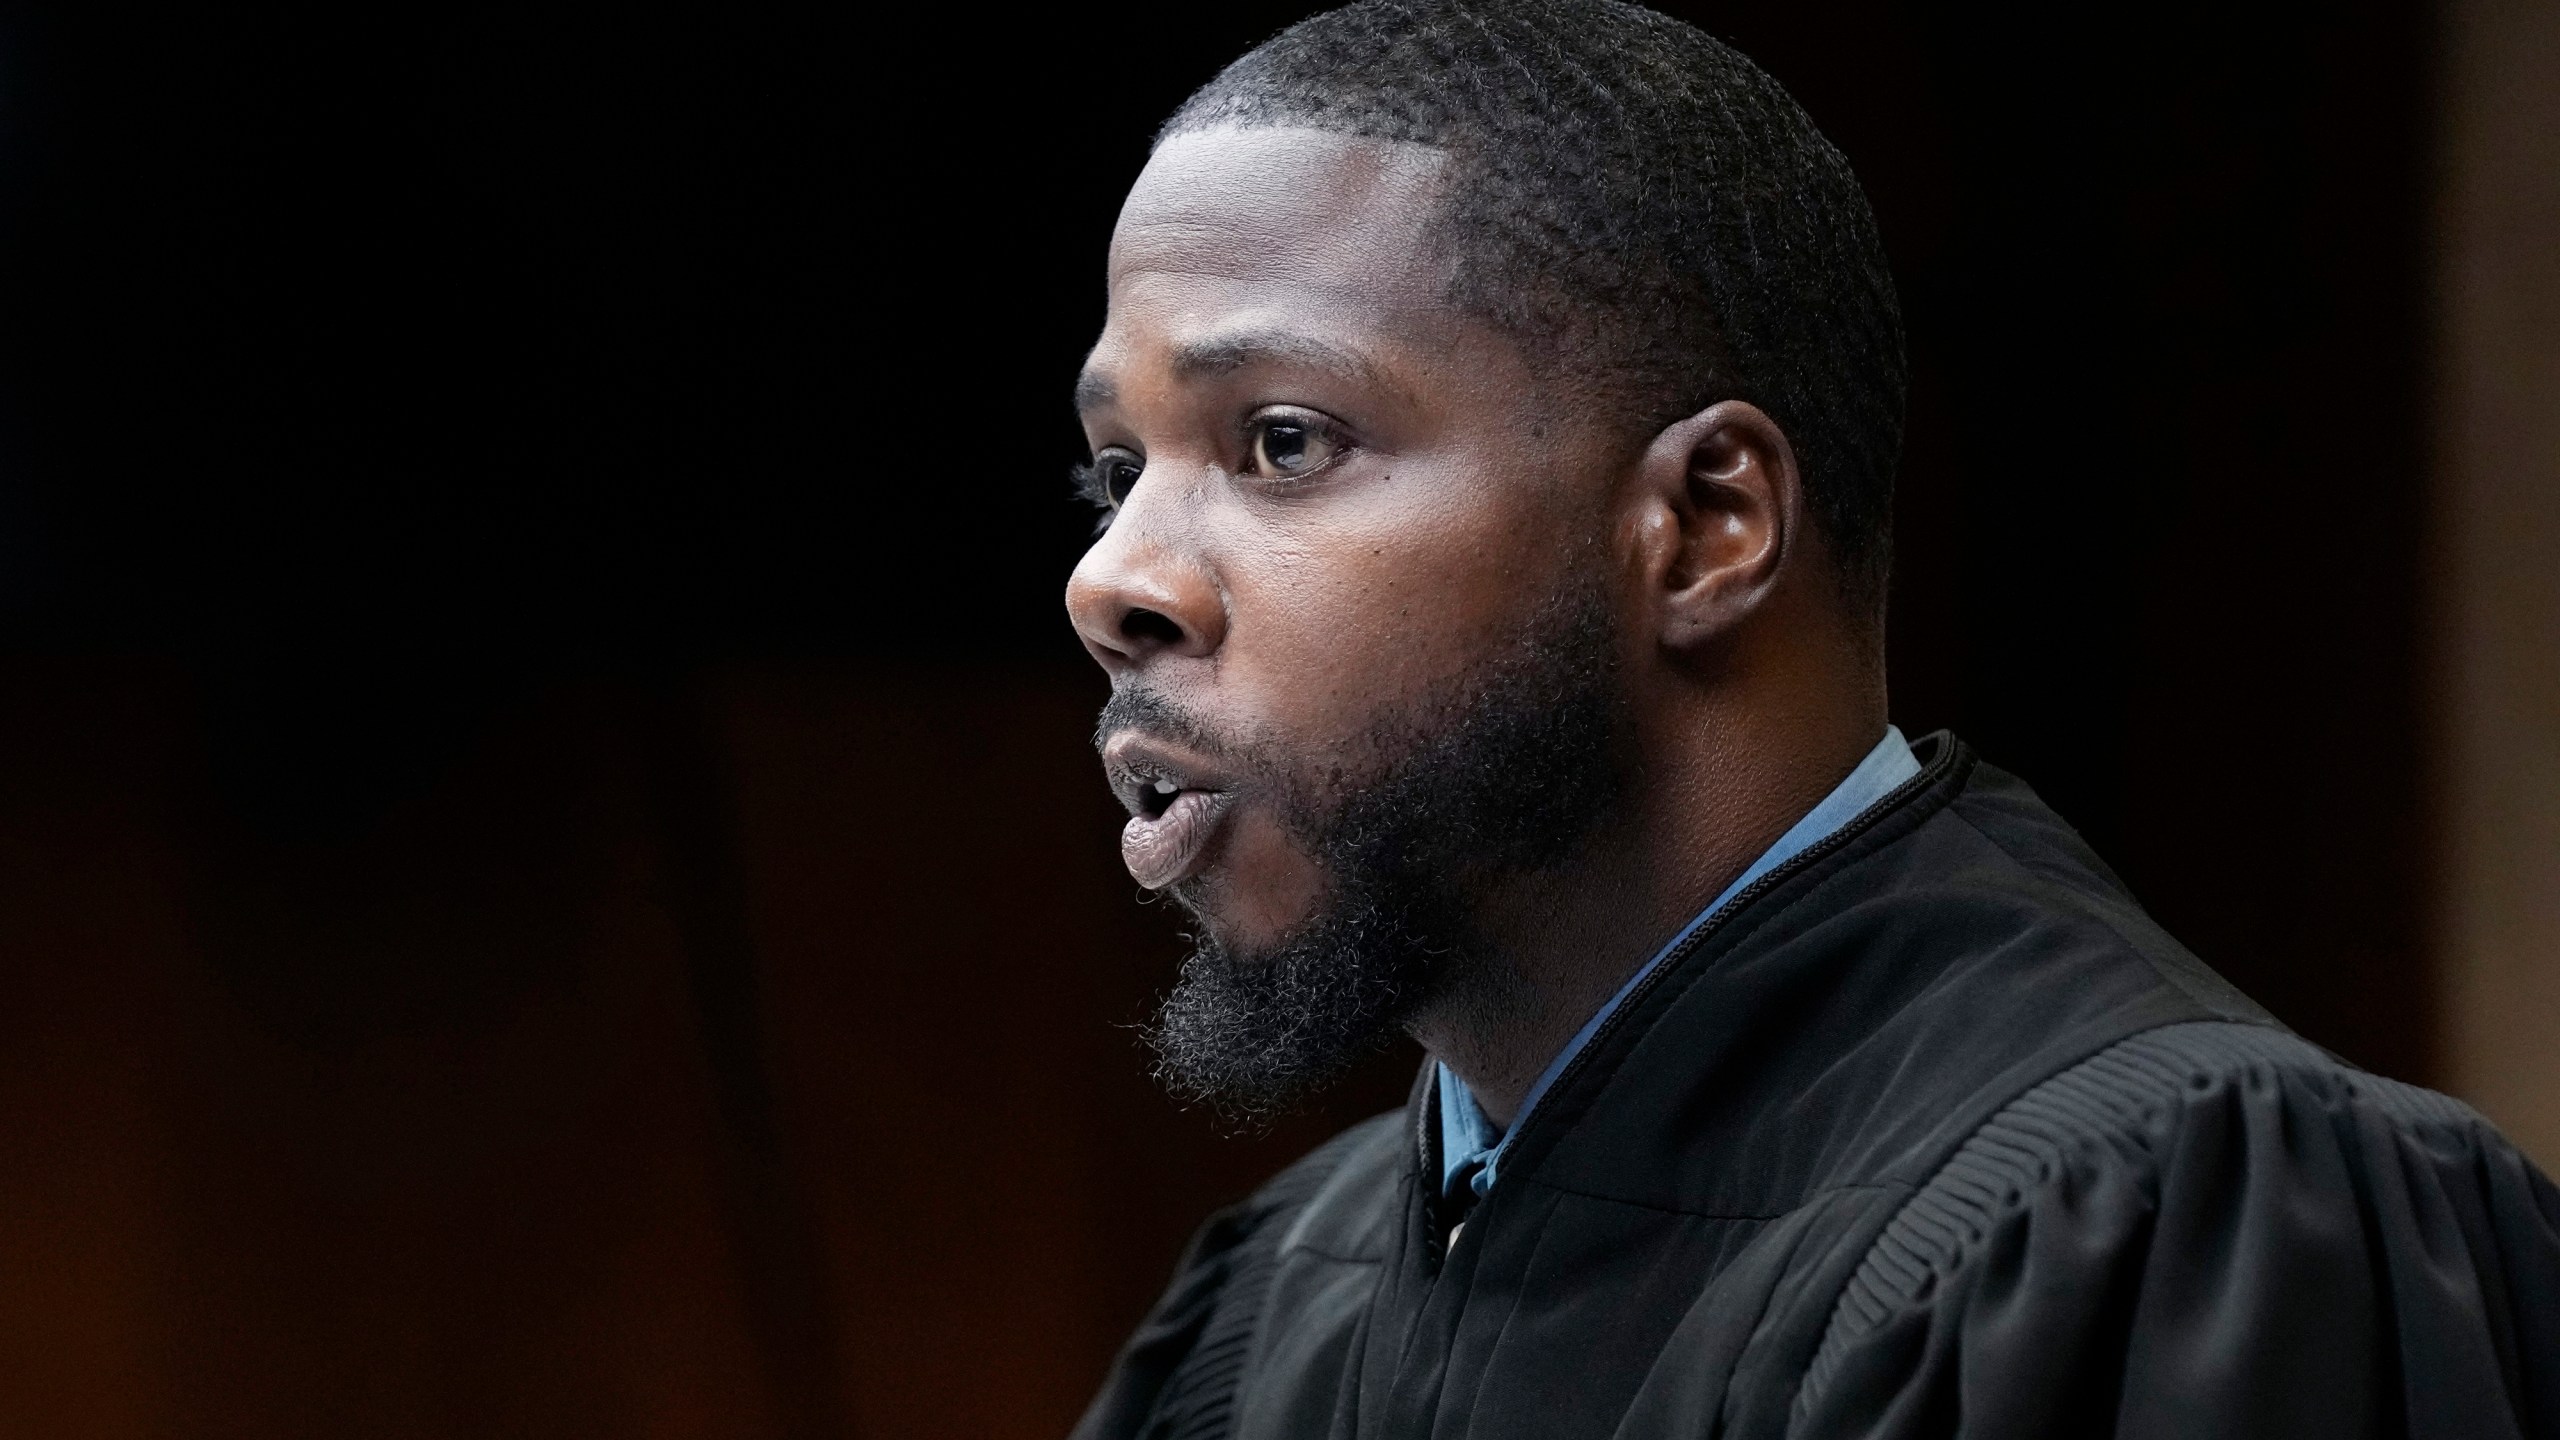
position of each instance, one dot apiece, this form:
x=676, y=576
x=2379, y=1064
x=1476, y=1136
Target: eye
x=1106, y=481
x=1288, y=444
x=1119, y=475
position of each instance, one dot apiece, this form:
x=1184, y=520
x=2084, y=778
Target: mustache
x=1150, y=713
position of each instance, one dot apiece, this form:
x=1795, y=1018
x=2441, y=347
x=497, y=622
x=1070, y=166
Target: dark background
x=553, y=883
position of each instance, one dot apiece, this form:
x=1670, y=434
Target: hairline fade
x=1648, y=213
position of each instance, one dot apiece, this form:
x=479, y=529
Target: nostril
x=1150, y=627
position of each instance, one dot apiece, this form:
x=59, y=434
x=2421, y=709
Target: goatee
x=1495, y=778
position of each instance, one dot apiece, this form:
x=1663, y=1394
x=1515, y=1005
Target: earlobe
x=1721, y=503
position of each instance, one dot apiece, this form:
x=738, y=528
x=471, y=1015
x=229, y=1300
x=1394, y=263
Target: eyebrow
x=1226, y=354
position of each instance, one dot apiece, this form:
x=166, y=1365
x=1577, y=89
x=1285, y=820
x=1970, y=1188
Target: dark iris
x=1284, y=446
x=1119, y=474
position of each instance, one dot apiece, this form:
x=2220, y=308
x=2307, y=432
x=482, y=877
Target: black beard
x=1496, y=780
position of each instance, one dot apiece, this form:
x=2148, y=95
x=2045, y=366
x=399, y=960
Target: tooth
x=1166, y=787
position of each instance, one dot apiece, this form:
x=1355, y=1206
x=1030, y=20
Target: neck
x=1719, y=779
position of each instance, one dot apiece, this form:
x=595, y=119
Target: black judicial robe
x=1932, y=1132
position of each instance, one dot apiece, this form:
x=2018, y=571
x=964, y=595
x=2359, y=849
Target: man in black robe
x=1495, y=422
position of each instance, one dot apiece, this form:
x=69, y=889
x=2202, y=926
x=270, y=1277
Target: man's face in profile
x=1354, y=600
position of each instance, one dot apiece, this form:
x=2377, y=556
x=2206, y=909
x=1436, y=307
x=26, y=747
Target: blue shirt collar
x=1470, y=1146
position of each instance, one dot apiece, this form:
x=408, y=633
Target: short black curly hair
x=1639, y=204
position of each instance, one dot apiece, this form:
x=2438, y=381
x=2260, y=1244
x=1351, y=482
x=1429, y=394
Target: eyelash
x=1092, y=488
x=1094, y=491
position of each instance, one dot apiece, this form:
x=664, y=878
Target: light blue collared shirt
x=1467, y=1137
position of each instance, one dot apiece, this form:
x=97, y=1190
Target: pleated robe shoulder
x=1932, y=1132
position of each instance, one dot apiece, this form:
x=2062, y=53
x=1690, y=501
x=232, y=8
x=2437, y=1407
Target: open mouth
x=1177, y=808
x=1173, y=835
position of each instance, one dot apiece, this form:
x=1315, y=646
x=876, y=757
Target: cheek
x=1343, y=611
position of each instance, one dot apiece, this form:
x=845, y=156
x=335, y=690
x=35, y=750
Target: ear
x=1719, y=509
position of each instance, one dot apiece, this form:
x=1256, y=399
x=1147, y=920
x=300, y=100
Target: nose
x=1138, y=596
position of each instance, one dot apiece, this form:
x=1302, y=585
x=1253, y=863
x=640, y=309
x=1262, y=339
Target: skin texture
x=1288, y=277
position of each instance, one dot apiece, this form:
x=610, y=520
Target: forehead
x=1273, y=231
x=1280, y=205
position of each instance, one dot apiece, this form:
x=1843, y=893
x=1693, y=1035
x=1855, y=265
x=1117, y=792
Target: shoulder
x=1951, y=949
x=1975, y=888
x=1186, y=1356
x=2125, y=1115
x=1330, y=1198
x=2002, y=866
x=2221, y=1226
x=1333, y=1196
x=1381, y=1141
x=1313, y=1197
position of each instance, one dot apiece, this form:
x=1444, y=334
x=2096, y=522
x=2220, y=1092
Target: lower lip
x=1170, y=848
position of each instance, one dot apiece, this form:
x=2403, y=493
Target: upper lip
x=1136, y=763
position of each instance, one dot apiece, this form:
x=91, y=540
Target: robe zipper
x=1830, y=844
